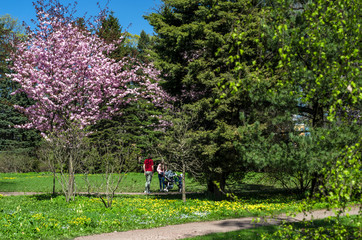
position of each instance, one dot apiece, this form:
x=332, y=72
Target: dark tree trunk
x=183, y=190
x=217, y=187
x=54, y=182
x=316, y=182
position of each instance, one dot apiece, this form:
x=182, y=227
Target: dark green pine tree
x=192, y=47
x=144, y=46
x=12, y=139
x=110, y=31
x=143, y=42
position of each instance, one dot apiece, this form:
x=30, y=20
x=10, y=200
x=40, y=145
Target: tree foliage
x=303, y=67
x=11, y=139
x=64, y=68
x=319, y=46
x=111, y=31
x=188, y=36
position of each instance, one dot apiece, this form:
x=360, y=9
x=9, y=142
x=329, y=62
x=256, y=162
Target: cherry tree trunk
x=70, y=190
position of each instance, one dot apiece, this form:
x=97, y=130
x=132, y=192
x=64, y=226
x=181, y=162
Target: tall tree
x=304, y=63
x=111, y=31
x=64, y=69
x=320, y=45
x=320, y=49
x=144, y=45
x=188, y=36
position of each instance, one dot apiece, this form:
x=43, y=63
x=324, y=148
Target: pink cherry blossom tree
x=63, y=66
x=65, y=70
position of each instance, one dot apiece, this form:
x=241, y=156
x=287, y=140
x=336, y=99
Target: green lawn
x=254, y=184
x=43, y=182
x=50, y=217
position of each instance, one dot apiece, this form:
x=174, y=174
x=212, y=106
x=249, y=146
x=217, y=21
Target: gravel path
x=199, y=228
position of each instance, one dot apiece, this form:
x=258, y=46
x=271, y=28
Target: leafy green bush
x=16, y=161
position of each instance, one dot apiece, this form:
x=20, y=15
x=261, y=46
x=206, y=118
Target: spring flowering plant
x=63, y=66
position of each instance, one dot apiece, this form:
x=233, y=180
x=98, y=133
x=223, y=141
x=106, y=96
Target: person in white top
x=161, y=169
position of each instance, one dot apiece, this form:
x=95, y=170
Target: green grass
x=255, y=185
x=47, y=217
x=43, y=182
x=50, y=217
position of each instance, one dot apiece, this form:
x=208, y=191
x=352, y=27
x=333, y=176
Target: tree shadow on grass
x=329, y=227
x=45, y=196
x=178, y=196
x=4, y=185
x=245, y=234
x=244, y=192
x=263, y=192
x=250, y=192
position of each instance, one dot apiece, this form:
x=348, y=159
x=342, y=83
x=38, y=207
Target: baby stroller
x=172, y=179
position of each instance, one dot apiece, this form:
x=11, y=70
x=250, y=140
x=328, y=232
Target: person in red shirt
x=148, y=171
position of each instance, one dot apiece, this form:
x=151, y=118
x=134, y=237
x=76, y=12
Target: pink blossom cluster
x=65, y=70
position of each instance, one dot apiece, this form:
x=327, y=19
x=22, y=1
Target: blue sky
x=127, y=11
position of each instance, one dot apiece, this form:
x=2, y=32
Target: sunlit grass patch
x=43, y=182
x=8, y=178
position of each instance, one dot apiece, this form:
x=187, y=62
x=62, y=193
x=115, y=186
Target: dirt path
x=202, y=228
x=19, y=193
x=197, y=228
x=122, y=193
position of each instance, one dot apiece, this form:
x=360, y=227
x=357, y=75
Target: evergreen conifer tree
x=192, y=47
x=12, y=140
